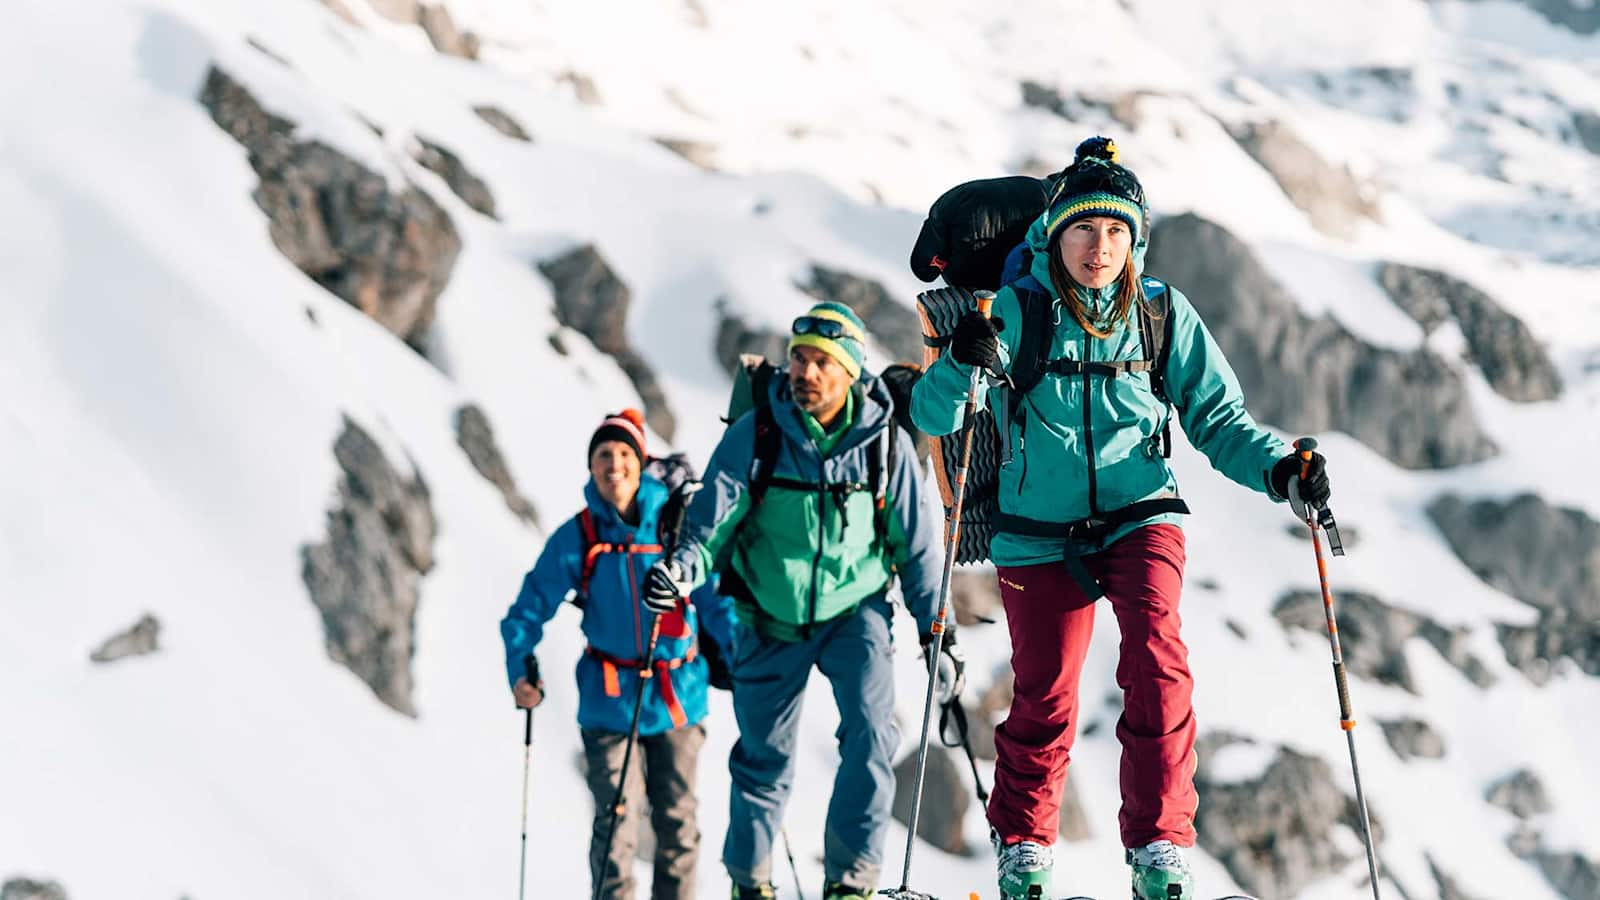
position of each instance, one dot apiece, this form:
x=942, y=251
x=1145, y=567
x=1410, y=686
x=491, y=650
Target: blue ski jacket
x=615, y=620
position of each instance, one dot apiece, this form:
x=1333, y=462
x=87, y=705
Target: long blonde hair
x=1129, y=292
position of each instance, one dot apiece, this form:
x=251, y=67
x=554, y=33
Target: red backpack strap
x=592, y=548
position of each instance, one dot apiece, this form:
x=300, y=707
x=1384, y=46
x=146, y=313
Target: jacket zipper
x=633, y=595
x=1088, y=434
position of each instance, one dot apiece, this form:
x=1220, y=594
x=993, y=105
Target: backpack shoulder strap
x=1157, y=338
x=1032, y=342
x=591, y=552
x=765, y=458
x=882, y=459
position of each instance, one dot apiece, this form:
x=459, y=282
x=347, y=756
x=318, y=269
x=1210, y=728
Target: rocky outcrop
x=1545, y=556
x=1581, y=17
x=435, y=22
x=1311, y=375
x=31, y=889
x=893, y=325
x=365, y=577
x=593, y=301
x=1372, y=636
x=1515, y=364
x=469, y=187
x=1586, y=125
x=1412, y=739
x=476, y=439
x=1274, y=832
x=1449, y=888
x=736, y=337
x=1073, y=823
x=945, y=798
x=1520, y=793
x=975, y=595
x=584, y=90
x=1574, y=876
x=1329, y=195
x=139, y=639
x=501, y=121
x=699, y=154
x=384, y=252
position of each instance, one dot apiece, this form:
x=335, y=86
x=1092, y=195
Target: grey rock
x=365, y=578
x=1545, y=556
x=945, y=798
x=1574, y=876
x=501, y=121
x=406, y=12
x=1373, y=634
x=1073, y=823
x=476, y=438
x=583, y=87
x=1515, y=364
x=1273, y=833
x=1520, y=793
x=735, y=338
x=592, y=300
x=1412, y=738
x=1449, y=889
x=1328, y=194
x=700, y=154
x=388, y=254
x=1586, y=125
x=1580, y=17
x=20, y=888
x=975, y=595
x=139, y=639
x=1312, y=375
x=469, y=187
x=993, y=704
x=893, y=324
x=445, y=36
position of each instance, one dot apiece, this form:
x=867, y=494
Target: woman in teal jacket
x=1089, y=508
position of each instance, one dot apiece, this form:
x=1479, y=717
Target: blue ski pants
x=854, y=652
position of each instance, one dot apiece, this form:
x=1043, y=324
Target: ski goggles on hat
x=832, y=329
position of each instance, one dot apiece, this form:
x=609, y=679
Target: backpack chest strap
x=1065, y=366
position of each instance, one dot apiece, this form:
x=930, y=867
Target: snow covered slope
x=171, y=388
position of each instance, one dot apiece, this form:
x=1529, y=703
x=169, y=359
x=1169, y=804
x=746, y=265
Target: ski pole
x=531, y=668
x=952, y=535
x=1347, y=720
x=788, y=849
x=619, y=800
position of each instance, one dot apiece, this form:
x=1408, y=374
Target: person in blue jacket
x=601, y=555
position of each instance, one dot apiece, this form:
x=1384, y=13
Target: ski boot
x=833, y=890
x=1024, y=869
x=1160, y=873
x=759, y=892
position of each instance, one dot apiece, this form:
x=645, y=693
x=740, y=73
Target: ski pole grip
x=1304, y=446
x=985, y=302
x=1346, y=714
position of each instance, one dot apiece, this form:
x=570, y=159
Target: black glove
x=1313, y=488
x=664, y=584
x=952, y=679
x=976, y=340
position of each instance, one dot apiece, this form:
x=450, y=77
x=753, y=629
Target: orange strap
x=661, y=671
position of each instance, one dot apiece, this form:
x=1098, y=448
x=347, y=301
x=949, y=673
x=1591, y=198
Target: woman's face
x=615, y=469
x=1095, y=250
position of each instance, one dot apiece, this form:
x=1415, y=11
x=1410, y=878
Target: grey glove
x=952, y=672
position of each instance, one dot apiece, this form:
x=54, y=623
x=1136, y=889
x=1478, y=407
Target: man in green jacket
x=814, y=503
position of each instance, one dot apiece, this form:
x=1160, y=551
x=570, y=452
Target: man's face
x=615, y=469
x=817, y=381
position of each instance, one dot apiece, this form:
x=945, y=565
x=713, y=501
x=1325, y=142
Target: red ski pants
x=1051, y=622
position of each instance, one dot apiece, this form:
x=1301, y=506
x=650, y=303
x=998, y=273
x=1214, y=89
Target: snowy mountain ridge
x=174, y=386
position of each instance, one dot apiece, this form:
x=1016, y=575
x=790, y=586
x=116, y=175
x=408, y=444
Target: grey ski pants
x=769, y=678
x=662, y=773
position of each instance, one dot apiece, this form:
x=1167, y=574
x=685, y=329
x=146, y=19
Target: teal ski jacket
x=1087, y=445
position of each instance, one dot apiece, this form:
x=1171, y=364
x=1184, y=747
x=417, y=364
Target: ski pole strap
x=660, y=671
x=1091, y=532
